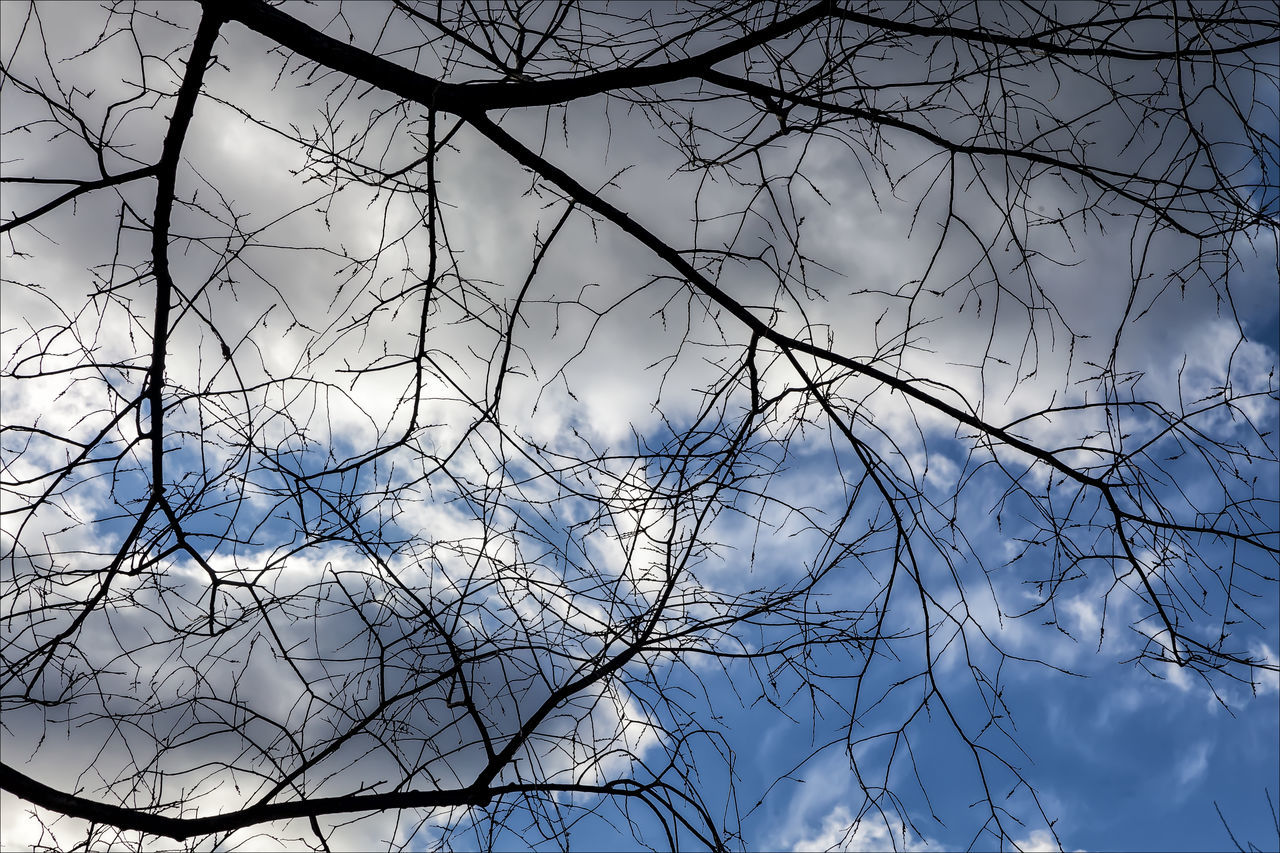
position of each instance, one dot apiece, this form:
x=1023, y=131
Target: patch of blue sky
x=1152, y=743
x=1056, y=726
x=1180, y=749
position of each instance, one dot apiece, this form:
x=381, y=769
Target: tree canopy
x=541, y=424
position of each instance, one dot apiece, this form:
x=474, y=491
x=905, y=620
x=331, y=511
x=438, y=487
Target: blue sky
x=612, y=357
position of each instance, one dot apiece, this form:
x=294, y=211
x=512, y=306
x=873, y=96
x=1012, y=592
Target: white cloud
x=1039, y=841
x=1192, y=764
x=839, y=831
x=615, y=382
x=1265, y=680
x=821, y=816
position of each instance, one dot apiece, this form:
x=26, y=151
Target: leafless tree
x=440, y=413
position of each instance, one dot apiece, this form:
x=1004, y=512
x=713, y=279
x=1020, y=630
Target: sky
x=301, y=299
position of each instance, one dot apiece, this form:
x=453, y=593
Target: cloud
x=1265, y=681
x=653, y=344
x=839, y=831
x=1192, y=765
x=821, y=816
x=1039, y=841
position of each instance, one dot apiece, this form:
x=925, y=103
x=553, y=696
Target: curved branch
x=80, y=188
x=469, y=98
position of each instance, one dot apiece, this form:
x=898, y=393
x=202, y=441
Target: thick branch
x=21, y=785
x=166, y=185
x=468, y=98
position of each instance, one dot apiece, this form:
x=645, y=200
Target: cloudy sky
x=507, y=439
